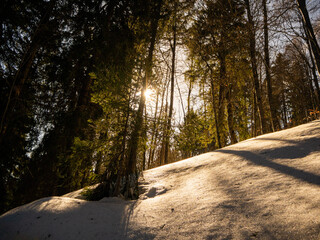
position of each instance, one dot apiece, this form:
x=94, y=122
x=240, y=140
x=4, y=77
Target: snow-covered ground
x=262, y=188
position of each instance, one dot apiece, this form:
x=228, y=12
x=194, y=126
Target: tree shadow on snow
x=243, y=218
x=292, y=148
x=53, y=218
x=296, y=149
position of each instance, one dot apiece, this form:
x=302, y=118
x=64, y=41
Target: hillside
x=262, y=188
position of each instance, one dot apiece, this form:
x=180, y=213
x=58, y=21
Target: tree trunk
x=189, y=94
x=315, y=78
x=310, y=33
x=273, y=110
x=314, y=100
x=173, y=49
x=284, y=107
x=152, y=144
x=254, y=113
x=252, y=43
x=132, y=157
x=221, y=100
x=215, y=113
x=145, y=136
x=156, y=134
x=233, y=136
x=215, y=116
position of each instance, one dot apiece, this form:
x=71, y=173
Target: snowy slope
x=263, y=188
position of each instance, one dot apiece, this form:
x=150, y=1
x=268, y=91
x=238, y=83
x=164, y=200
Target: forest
x=97, y=91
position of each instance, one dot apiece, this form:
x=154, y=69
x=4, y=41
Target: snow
x=262, y=188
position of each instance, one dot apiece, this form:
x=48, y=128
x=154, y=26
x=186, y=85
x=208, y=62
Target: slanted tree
x=310, y=33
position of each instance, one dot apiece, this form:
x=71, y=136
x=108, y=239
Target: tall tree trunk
x=163, y=143
x=233, y=136
x=190, y=90
x=122, y=156
x=24, y=68
x=284, y=109
x=156, y=134
x=132, y=157
x=254, y=115
x=82, y=105
x=310, y=33
x=315, y=78
x=145, y=136
x=221, y=100
x=173, y=49
x=152, y=144
x=252, y=43
x=314, y=100
x=189, y=96
x=215, y=113
x=310, y=66
x=273, y=110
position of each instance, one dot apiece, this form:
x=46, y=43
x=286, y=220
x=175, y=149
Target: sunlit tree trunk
x=157, y=125
x=189, y=95
x=163, y=143
x=173, y=50
x=273, y=110
x=254, y=116
x=252, y=43
x=154, y=131
x=144, y=160
x=214, y=106
x=230, y=110
x=132, y=157
x=221, y=99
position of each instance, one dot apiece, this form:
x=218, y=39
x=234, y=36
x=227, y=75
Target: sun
x=148, y=93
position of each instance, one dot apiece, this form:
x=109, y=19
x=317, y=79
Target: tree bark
x=252, y=44
x=189, y=91
x=284, y=108
x=152, y=144
x=144, y=160
x=173, y=49
x=132, y=158
x=221, y=99
x=273, y=110
x=122, y=156
x=310, y=33
x=232, y=133
x=215, y=113
x=313, y=69
x=156, y=134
